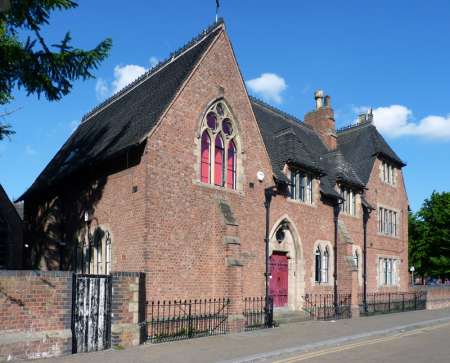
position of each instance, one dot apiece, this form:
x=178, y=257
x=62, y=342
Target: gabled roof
x=125, y=119
x=361, y=144
x=339, y=170
x=290, y=141
x=7, y=208
x=287, y=139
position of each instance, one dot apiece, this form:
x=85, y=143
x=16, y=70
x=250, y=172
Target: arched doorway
x=287, y=282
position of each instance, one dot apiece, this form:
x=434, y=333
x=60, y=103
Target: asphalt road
x=426, y=345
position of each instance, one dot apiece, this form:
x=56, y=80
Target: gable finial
x=370, y=115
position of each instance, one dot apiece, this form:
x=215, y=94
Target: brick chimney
x=322, y=120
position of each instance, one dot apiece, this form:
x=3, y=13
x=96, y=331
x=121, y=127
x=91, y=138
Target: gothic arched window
x=219, y=150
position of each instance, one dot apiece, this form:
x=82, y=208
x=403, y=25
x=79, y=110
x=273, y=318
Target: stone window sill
x=217, y=188
x=299, y=202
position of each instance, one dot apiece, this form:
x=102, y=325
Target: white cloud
x=29, y=150
x=397, y=120
x=153, y=61
x=125, y=75
x=101, y=89
x=269, y=86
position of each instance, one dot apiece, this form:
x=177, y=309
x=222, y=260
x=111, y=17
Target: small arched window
x=219, y=161
x=231, y=165
x=219, y=150
x=205, y=168
x=318, y=271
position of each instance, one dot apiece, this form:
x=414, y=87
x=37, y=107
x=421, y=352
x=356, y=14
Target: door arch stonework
x=292, y=246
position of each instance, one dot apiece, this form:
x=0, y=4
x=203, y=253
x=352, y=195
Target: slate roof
x=125, y=119
x=288, y=140
x=361, y=144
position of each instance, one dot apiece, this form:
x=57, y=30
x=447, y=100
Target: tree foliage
x=28, y=62
x=429, y=236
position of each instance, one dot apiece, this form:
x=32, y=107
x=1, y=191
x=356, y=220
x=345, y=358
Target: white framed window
x=348, y=206
x=387, y=271
x=322, y=265
x=301, y=187
x=388, y=173
x=387, y=222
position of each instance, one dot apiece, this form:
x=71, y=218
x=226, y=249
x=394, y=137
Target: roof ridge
x=293, y=119
x=353, y=126
x=193, y=42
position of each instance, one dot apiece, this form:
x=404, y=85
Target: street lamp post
x=269, y=193
x=412, y=269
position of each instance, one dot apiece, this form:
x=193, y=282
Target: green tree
x=430, y=236
x=28, y=62
x=418, y=253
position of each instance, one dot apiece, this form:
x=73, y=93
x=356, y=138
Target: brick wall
x=36, y=312
x=437, y=297
x=128, y=309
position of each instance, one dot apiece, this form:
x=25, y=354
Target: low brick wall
x=36, y=312
x=438, y=297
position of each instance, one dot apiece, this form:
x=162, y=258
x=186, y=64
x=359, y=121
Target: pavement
x=289, y=341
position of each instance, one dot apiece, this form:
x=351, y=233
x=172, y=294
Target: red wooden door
x=278, y=285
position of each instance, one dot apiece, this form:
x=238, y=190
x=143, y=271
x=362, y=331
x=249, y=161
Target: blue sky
x=389, y=55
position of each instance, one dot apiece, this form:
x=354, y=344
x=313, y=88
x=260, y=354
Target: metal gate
x=91, y=319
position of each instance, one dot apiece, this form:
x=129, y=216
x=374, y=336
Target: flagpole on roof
x=217, y=10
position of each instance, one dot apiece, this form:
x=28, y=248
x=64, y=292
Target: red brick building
x=168, y=177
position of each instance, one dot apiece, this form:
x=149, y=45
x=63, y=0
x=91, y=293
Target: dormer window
x=388, y=173
x=301, y=187
x=348, y=206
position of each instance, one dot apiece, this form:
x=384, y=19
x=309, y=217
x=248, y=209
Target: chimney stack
x=322, y=119
x=318, y=96
x=366, y=117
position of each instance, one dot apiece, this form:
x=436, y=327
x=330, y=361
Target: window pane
x=211, y=120
x=309, y=199
x=318, y=265
x=227, y=127
x=218, y=162
x=325, y=266
x=231, y=176
x=205, y=168
x=302, y=186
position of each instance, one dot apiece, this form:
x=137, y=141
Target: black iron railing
x=392, y=302
x=256, y=314
x=185, y=319
x=326, y=307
